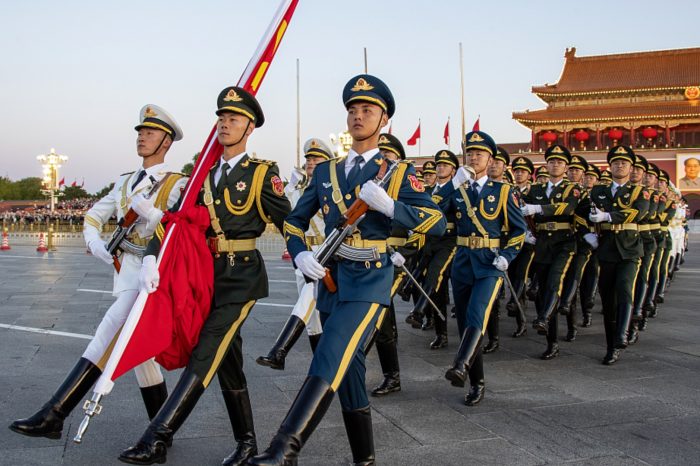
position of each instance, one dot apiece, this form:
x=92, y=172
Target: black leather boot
x=476, y=382
x=492, y=330
x=587, y=319
x=466, y=353
x=415, y=318
x=240, y=414
x=612, y=354
x=611, y=357
x=389, y=360
x=544, y=315
x=285, y=341
x=313, y=341
x=358, y=426
x=48, y=421
x=429, y=322
x=531, y=292
x=571, y=330
x=152, y=446
x=640, y=292
x=440, y=340
x=552, y=350
x=303, y=417
x=633, y=336
x=624, y=316
x=154, y=397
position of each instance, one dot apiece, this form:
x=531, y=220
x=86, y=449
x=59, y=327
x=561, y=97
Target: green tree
x=73, y=192
x=29, y=188
x=104, y=191
x=188, y=167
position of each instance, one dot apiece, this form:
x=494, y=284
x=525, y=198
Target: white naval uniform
x=307, y=313
x=126, y=282
x=677, y=231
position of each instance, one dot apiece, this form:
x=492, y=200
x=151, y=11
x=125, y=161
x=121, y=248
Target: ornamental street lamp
x=50, y=163
x=342, y=143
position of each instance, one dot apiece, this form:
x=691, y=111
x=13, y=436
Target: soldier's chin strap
x=376, y=130
x=242, y=135
x=165, y=135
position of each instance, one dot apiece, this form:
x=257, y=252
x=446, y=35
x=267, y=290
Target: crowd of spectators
x=66, y=213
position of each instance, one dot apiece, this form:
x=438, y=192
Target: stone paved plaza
x=571, y=410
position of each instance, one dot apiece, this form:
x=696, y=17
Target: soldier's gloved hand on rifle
x=149, y=277
x=397, y=259
x=531, y=209
x=146, y=210
x=598, y=216
x=591, y=239
x=530, y=238
x=501, y=263
x=98, y=248
x=309, y=266
x=462, y=176
x=377, y=198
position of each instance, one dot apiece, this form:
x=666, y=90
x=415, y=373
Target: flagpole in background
x=419, y=139
x=461, y=87
x=366, y=60
x=298, y=121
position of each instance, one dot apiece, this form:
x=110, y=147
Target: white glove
x=377, y=198
x=149, y=277
x=530, y=238
x=591, y=239
x=598, y=216
x=295, y=177
x=462, y=176
x=531, y=209
x=309, y=266
x=501, y=263
x=98, y=248
x=144, y=207
x=397, y=259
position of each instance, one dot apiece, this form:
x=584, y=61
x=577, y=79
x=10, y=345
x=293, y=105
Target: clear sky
x=75, y=74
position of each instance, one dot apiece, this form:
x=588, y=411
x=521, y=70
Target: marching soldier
x=542, y=174
x=589, y=280
x=242, y=195
x=304, y=313
x=439, y=253
x=605, y=178
x=667, y=212
x=363, y=287
x=484, y=212
x=157, y=130
x=618, y=208
x=518, y=270
x=586, y=242
x=497, y=172
x=553, y=205
x=429, y=173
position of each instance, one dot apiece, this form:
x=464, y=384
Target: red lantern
x=615, y=134
x=549, y=137
x=582, y=136
x=649, y=133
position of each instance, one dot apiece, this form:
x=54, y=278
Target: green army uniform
x=668, y=210
x=619, y=253
x=589, y=279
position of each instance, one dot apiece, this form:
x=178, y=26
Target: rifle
x=125, y=225
x=347, y=224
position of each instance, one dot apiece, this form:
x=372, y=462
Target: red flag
x=476, y=124
x=62, y=182
x=74, y=184
x=167, y=326
x=446, y=133
x=416, y=136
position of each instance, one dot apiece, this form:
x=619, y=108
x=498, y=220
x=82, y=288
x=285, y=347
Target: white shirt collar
x=482, y=181
x=232, y=161
x=616, y=186
x=155, y=169
x=552, y=185
x=365, y=155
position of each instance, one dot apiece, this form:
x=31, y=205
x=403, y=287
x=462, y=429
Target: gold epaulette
x=128, y=173
x=270, y=163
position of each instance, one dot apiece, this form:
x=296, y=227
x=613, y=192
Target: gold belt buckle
x=550, y=226
x=474, y=242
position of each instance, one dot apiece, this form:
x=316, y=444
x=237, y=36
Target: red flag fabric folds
x=446, y=133
x=416, y=136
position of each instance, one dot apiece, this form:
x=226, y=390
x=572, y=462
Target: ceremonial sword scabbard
x=91, y=407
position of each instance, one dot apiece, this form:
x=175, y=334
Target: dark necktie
x=222, y=179
x=355, y=171
x=474, y=191
x=139, y=177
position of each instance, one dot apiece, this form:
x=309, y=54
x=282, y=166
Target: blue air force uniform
x=484, y=211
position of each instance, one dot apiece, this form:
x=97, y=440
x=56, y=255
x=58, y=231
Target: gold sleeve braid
x=434, y=216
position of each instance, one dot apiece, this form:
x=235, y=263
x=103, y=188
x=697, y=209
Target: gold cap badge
x=232, y=96
x=362, y=85
x=383, y=140
x=149, y=113
x=314, y=144
x=621, y=150
x=476, y=138
x=557, y=150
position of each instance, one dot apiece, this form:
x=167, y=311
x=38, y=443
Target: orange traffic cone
x=5, y=242
x=42, y=244
x=286, y=256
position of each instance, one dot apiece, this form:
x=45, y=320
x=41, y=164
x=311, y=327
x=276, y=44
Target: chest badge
x=327, y=185
x=240, y=186
x=459, y=199
x=558, y=196
x=539, y=198
x=626, y=195
x=491, y=198
x=602, y=196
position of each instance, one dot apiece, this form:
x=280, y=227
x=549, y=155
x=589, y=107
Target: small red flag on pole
x=62, y=182
x=476, y=124
x=446, y=133
x=416, y=136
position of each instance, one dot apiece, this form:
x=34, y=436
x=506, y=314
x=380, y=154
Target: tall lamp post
x=50, y=164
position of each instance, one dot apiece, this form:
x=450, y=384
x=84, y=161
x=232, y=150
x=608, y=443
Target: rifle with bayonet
x=333, y=244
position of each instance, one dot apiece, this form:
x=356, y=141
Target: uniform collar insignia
x=362, y=85
x=232, y=96
x=476, y=138
x=490, y=183
x=327, y=184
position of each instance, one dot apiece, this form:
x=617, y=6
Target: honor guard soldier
x=304, y=313
x=386, y=333
x=363, y=287
x=157, y=130
x=617, y=209
x=638, y=177
x=605, y=177
x=667, y=213
x=589, y=280
x=438, y=254
x=553, y=205
x=429, y=173
x=542, y=174
x=653, y=182
x=242, y=195
x=519, y=269
x=586, y=242
x=485, y=211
